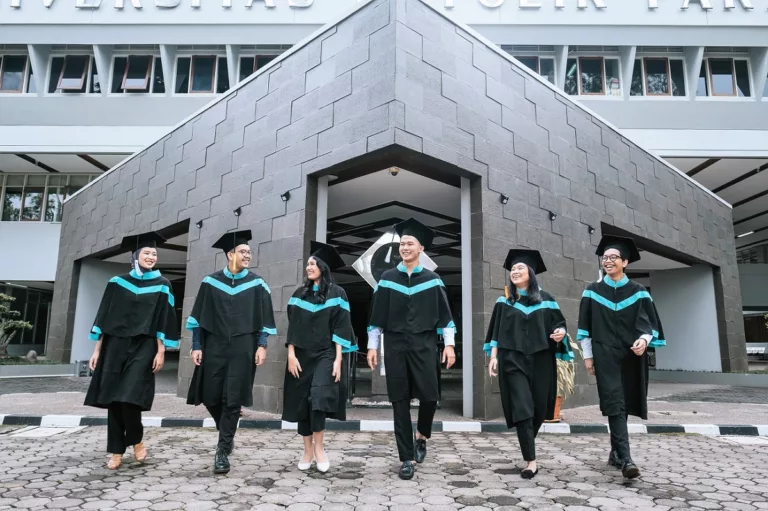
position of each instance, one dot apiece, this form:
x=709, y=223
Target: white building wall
x=94, y=275
x=685, y=300
x=29, y=251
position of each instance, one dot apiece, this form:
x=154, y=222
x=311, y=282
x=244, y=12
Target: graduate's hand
x=590, y=365
x=373, y=359
x=493, y=365
x=639, y=347
x=558, y=335
x=449, y=357
x=94, y=359
x=293, y=366
x=197, y=356
x=159, y=361
x=261, y=356
x=337, y=369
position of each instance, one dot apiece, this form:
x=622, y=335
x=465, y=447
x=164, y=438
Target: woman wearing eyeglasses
x=525, y=338
x=319, y=333
x=135, y=322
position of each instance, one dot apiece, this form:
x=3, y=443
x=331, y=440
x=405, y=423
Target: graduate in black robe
x=319, y=334
x=230, y=322
x=410, y=307
x=525, y=338
x=135, y=322
x=617, y=323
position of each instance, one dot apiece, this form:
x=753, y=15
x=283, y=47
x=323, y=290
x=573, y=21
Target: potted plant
x=566, y=375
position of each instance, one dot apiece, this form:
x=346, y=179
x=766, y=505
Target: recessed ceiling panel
x=685, y=164
x=726, y=170
x=12, y=164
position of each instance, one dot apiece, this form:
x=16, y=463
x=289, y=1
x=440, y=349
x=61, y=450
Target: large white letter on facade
x=300, y=3
x=600, y=4
x=530, y=4
x=119, y=4
x=492, y=4
x=269, y=4
x=449, y=4
x=88, y=4
x=167, y=4
x=705, y=4
x=730, y=4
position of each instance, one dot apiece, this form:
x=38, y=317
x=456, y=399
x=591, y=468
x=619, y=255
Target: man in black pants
x=410, y=307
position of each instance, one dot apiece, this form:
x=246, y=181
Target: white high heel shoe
x=323, y=466
x=305, y=466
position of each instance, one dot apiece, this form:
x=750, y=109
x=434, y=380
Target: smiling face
x=410, y=249
x=313, y=270
x=612, y=262
x=240, y=258
x=519, y=275
x=147, y=257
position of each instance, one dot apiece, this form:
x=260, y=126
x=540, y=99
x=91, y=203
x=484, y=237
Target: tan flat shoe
x=139, y=452
x=115, y=462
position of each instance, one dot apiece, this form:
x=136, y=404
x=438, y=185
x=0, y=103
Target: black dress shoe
x=629, y=470
x=614, y=461
x=407, y=470
x=529, y=474
x=420, y=450
x=221, y=462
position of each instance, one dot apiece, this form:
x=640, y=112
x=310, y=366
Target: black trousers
x=404, y=427
x=124, y=427
x=527, y=431
x=226, y=418
x=619, y=436
x=314, y=424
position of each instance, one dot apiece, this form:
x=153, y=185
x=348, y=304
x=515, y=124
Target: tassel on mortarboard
x=600, y=269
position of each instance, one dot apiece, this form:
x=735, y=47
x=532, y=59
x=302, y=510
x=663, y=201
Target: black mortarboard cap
x=421, y=232
x=229, y=241
x=327, y=254
x=625, y=246
x=530, y=257
x=145, y=240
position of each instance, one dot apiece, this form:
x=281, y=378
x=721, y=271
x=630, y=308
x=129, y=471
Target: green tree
x=9, y=323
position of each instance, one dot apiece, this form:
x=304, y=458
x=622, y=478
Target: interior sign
x=449, y=4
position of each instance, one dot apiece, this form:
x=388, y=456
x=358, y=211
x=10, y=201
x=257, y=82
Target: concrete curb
x=70, y=421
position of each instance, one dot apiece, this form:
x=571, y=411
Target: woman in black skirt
x=135, y=322
x=319, y=333
x=524, y=340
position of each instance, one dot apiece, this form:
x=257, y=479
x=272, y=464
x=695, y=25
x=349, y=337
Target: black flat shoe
x=629, y=470
x=220, y=462
x=614, y=461
x=529, y=474
x=407, y=470
x=420, y=450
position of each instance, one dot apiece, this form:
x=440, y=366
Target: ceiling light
x=745, y=234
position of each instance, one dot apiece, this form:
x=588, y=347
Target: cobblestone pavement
x=463, y=471
x=752, y=395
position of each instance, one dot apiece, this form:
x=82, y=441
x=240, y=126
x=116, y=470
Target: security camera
x=393, y=171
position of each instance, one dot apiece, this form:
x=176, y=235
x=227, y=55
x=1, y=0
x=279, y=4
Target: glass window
x=591, y=72
x=531, y=63
x=636, y=87
x=612, y=77
x=657, y=77
x=95, y=82
x=182, y=75
x=263, y=60
x=721, y=76
x=118, y=72
x=136, y=74
x=12, y=73
x=14, y=189
x=203, y=71
x=677, y=73
x=55, y=199
x=571, y=85
x=56, y=64
x=31, y=85
x=547, y=69
x=702, y=87
x=76, y=183
x=158, y=86
x=742, y=78
x=73, y=73
x=246, y=67
x=34, y=193
x=222, y=78
x=765, y=89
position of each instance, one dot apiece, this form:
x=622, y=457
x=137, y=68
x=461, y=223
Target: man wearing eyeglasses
x=617, y=324
x=230, y=322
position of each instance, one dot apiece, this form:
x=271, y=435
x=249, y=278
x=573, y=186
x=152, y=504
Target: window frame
x=25, y=76
x=735, y=95
x=147, y=74
x=538, y=58
x=64, y=188
x=191, y=75
x=88, y=74
x=645, y=77
x=155, y=58
x=43, y=201
x=83, y=77
x=255, y=56
x=602, y=75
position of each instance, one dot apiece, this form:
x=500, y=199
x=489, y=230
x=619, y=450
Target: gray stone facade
x=397, y=83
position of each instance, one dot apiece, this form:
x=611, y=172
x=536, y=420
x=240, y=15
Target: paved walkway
x=463, y=471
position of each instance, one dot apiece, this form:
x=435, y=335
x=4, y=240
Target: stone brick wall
x=397, y=78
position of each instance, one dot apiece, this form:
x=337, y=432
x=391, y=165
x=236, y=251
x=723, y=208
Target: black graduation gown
x=135, y=311
x=231, y=311
x=527, y=356
x=314, y=329
x=411, y=311
x=614, y=315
